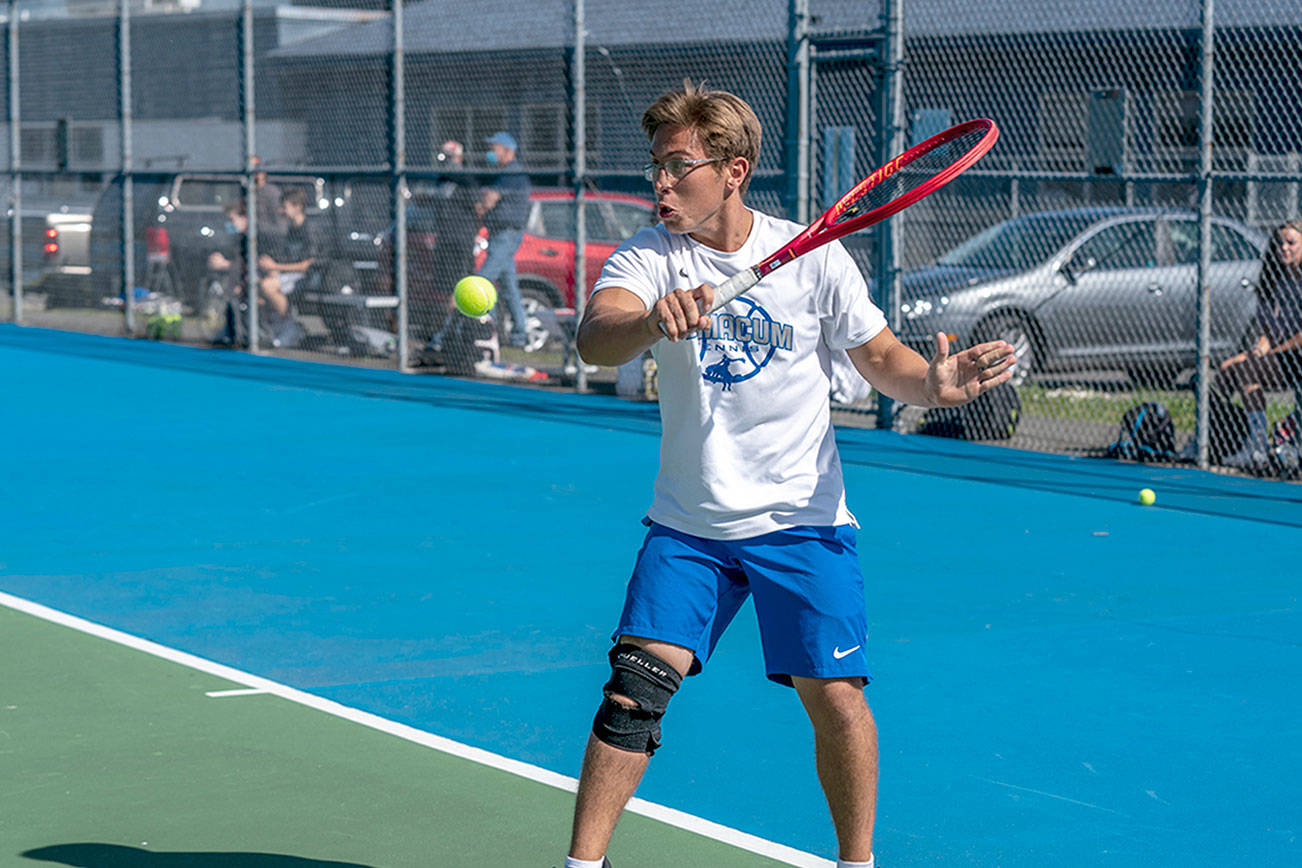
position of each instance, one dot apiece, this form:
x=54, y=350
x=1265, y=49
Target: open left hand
x=957, y=379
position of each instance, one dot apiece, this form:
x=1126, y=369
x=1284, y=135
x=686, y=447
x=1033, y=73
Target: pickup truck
x=56, y=252
x=180, y=221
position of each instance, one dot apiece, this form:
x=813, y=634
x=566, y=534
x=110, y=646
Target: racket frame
x=825, y=229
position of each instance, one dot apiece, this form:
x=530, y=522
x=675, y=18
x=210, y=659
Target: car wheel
x=1018, y=332
x=540, y=318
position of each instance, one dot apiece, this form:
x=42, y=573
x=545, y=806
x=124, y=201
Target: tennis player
x=749, y=500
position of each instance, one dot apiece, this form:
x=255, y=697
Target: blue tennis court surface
x=1062, y=677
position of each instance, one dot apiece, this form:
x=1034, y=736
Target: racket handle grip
x=734, y=286
x=730, y=289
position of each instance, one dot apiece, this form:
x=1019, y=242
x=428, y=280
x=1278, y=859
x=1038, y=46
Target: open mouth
x=666, y=212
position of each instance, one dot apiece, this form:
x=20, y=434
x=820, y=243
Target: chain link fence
x=1115, y=235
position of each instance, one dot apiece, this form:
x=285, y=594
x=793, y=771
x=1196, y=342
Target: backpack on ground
x=1285, y=441
x=1147, y=434
x=468, y=341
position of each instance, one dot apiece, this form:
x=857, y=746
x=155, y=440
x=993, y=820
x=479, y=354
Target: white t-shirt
x=747, y=445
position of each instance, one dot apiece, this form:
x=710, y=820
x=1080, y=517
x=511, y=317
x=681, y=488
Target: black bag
x=994, y=415
x=468, y=341
x=1147, y=434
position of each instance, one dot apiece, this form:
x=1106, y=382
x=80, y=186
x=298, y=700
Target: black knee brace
x=648, y=681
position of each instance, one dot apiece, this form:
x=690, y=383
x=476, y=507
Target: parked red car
x=545, y=260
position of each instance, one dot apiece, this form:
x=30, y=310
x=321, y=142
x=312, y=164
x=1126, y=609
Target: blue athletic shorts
x=808, y=591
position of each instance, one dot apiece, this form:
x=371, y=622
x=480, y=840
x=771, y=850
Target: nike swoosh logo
x=838, y=653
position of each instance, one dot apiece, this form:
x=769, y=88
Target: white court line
x=680, y=819
x=243, y=691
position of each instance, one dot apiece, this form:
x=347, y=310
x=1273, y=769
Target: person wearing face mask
x=504, y=207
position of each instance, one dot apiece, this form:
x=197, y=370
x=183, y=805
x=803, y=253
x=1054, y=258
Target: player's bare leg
x=845, y=743
x=610, y=775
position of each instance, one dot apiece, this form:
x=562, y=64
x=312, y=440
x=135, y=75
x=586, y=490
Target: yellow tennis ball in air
x=1147, y=497
x=474, y=295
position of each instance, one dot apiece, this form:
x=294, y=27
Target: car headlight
x=922, y=307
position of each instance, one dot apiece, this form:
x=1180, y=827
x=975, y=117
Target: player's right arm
x=617, y=326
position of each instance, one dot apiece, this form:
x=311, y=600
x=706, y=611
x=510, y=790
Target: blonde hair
x=724, y=123
x=1273, y=271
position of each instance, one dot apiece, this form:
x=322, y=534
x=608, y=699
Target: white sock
x=571, y=862
x=842, y=863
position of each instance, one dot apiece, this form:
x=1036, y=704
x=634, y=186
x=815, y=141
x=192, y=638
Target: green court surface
x=114, y=758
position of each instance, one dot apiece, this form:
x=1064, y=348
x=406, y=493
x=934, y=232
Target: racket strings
x=917, y=171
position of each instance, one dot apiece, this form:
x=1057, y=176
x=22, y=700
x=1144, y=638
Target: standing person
x=266, y=196
x=454, y=221
x=749, y=499
x=1274, y=361
x=504, y=208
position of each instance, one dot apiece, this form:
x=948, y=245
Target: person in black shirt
x=1273, y=360
x=504, y=208
x=453, y=220
x=297, y=252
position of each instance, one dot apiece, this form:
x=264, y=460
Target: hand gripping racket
x=918, y=172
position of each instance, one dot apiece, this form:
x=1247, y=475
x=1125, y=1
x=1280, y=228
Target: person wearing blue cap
x=504, y=208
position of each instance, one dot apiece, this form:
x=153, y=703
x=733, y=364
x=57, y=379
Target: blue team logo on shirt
x=737, y=346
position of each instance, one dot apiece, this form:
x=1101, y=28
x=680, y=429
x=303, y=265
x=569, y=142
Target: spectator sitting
x=226, y=266
x=226, y=263
x=1274, y=360
x=298, y=251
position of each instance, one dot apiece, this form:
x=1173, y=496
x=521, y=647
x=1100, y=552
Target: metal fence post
x=250, y=172
x=399, y=186
x=579, y=101
x=128, y=182
x=887, y=255
x=1206, y=118
x=796, y=143
x=15, y=176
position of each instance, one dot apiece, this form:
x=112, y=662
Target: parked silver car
x=1089, y=288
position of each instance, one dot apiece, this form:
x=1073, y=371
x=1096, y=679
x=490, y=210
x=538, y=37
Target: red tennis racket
x=918, y=172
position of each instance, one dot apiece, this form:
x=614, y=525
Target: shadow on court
x=118, y=856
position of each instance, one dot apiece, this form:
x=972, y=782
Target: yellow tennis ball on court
x=474, y=295
x=1147, y=497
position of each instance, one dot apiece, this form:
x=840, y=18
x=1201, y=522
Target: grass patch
x=1093, y=405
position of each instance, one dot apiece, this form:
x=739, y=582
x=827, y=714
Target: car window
x=594, y=216
x=1018, y=244
x=1229, y=245
x=626, y=219
x=197, y=193
x=1123, y=245
x=555, y=220
x=1178, y=245
x=367, y=205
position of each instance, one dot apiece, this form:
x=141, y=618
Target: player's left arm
x=944, y=381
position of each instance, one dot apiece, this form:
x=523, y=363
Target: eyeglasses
x=676, y=167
